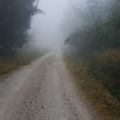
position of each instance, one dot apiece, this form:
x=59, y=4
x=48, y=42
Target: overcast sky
x=46, y=28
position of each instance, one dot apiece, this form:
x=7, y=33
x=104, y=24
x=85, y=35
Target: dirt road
x=43, y=90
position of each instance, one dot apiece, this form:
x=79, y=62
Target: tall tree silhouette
x=15, y=17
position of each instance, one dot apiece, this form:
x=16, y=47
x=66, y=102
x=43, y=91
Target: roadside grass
x=9, y=64
x=6, y=68
x=107, y=106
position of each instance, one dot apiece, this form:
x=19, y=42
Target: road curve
x=43, y=90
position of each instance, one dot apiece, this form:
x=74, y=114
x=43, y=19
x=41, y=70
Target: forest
x=96, y=44
x=15, y=20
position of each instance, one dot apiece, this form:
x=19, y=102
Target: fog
x=63, y=17
x=51, y=29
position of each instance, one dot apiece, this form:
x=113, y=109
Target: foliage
x=106, y=105
x=97, y=43
x=99, y=35
x=106, y=68
x=15, y=18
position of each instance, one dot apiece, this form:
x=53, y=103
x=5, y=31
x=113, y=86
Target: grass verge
x=9, y=64
x=107, y=106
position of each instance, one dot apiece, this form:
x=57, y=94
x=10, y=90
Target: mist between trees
x=97, y=41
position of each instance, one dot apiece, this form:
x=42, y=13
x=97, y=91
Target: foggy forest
x=59, y=60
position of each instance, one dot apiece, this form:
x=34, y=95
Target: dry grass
x=6, y=68
x=104, y=103
x=106, y=68
x=8, y=64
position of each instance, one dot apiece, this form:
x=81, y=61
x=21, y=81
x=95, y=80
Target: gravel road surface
x=43, y=90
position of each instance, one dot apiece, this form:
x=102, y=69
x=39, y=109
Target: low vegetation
x=9, y=64
x=106, y=68
x=106, y=105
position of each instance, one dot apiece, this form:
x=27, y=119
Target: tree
x=100, y=34
x=15, y=18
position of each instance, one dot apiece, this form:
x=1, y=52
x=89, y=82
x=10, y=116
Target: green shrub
x=106, y=67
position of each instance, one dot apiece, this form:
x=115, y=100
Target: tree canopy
x=15, y=19
x=100, y=34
